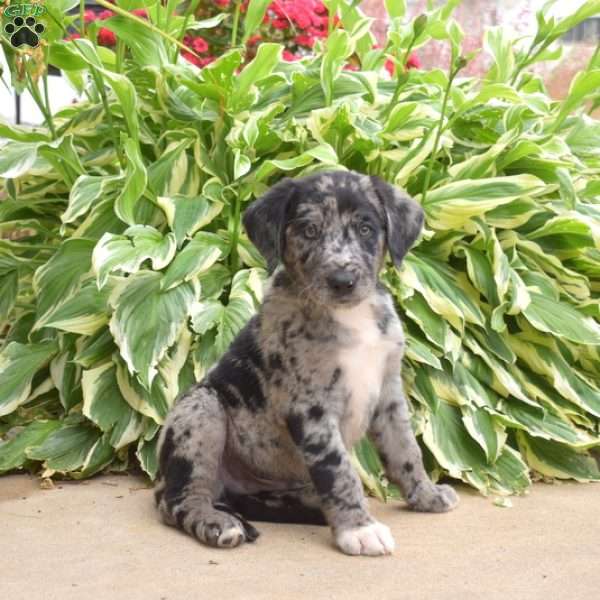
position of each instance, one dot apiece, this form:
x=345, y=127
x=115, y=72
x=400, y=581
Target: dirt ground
x=101, y=539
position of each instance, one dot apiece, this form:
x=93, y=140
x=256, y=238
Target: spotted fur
x=266, y=435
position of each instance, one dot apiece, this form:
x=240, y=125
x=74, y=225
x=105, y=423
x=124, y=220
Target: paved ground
x=101, y=540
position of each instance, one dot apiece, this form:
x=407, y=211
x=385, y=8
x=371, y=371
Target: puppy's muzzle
x=342, y=282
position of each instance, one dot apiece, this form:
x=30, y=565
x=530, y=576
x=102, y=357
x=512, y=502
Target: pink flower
x=254, y=39
x=105, y=14
x=281, y=23
x=106, y=37
x=350, y=67
x=200, y=45
x=89, y=16
x=140, y=12
x=305, y=40
x=191, y=58
x=222, y=3
x=73, y=36
x=289, y=56
x=413, y=62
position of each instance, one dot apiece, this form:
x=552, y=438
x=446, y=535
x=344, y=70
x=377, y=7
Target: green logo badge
x=21, y=24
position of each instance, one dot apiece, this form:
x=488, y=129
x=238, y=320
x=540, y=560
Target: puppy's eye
x=311, y=231
x=365, y=230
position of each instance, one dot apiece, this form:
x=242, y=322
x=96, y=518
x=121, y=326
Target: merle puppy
x=266, y=435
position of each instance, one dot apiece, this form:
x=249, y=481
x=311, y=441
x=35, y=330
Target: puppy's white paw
x=231, y=537
x=371, y=540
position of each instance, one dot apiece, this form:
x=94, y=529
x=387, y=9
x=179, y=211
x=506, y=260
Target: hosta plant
x=125, y=273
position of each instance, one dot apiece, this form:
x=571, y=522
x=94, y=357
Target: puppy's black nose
x=341, y=281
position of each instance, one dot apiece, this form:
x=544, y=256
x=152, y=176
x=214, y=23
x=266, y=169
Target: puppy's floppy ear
x=264, y=220
x=404, y=218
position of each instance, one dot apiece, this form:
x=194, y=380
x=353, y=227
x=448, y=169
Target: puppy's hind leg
x=190, y=450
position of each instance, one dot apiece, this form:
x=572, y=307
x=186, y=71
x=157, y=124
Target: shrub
x=128, y=273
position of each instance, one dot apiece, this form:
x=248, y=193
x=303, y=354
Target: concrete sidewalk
x=101, y=539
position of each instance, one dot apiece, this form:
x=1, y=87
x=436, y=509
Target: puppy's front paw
x=371, y=540
x=428, y=497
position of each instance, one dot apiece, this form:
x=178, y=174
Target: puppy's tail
x=274, y=507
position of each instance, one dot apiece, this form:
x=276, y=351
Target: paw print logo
x=24, y=31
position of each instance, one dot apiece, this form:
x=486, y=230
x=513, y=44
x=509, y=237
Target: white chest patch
x=362, y=362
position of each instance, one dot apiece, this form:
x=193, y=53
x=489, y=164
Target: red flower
x=351, y=67
x=140, y=12
x=105, y=14
x=200, y=45
x=281, y=23
x=191, y=58
x=73, y=36
x=289, y=56
x=413, y=62
x=305, y=40
x=106, y=37
x=254, y=39
x=89, y=16
x=222, y=3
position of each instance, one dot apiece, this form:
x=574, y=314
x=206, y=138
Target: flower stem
x=44, y=107
x=236, y=22
x=453, y=72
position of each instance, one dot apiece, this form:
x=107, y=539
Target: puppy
x=266, y=434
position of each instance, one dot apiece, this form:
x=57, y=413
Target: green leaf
x=13, y=452
x=583, y=84
x=17, y=158
x=227, y=319
x=104, y=405
x=9, y=288
x=87, y=190
x=561, y=320
x=127, y=252
x=203, y=251
x=339, y=47
x=147, y=46
x=84, y=313
x=148, y=320
x=61, y=275
x=266, y=59
x=254, y=15
x=66, y=448
x=452, y=204
x=557, y=460
x=186, y=215
x=134, y=184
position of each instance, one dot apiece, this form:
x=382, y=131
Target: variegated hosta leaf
x=84, y=313
x=557, y=460
x=55, y=281
x=135, y=179
x=148, y=320
x=87, y=190
x=155, y=403
x=450, y=205
x=201, y=252
x=13, y=451
x=104, y=405
x=18, y=364
x=186, y=215
x=438, y=285
x=66, y=448
x=227, y=319
x=562, y=320
x=127, y=252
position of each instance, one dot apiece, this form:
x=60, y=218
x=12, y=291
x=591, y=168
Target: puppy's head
x=331, y=231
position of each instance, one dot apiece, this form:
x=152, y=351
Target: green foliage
x=129, y=273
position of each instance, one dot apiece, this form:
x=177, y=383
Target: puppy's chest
x=362, y=361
